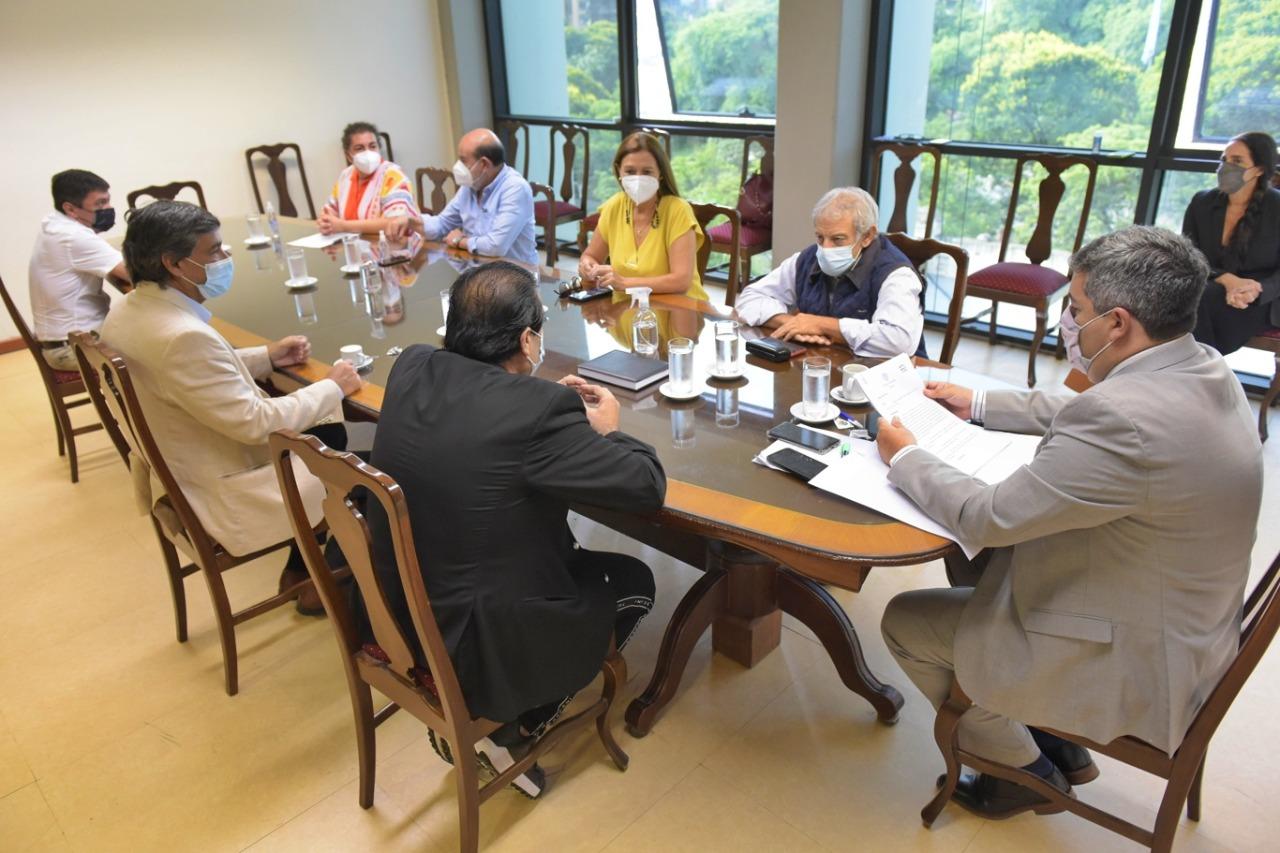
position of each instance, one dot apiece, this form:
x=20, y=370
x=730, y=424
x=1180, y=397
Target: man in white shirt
x=492, y=212
x=68, y=264
x=851, y=286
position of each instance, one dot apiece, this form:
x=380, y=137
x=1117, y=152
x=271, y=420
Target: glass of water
x=351, y=254
x=817, y=384
x=297, y=259
x=680, y=366
x=256, y=234
x=728, y=344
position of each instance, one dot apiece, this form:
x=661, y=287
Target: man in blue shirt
x=492, y=212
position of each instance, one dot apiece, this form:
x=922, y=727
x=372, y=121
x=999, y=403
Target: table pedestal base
x=742, y=598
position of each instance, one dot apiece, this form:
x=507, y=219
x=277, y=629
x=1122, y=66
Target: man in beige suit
x=1110, y=603
x=210, y=420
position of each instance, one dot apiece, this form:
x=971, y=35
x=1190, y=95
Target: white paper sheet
x=319, y=241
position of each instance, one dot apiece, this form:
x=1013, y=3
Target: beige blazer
x=210, y=420
x=1112, y=604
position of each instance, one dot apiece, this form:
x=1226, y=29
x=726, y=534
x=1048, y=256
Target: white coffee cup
x=849, y=386
x=352, y=354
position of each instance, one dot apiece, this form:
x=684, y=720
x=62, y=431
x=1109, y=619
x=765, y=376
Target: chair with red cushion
x=570, y=205
x=1269, y=340
x=904, y=179
x=548, y=224
x=65, y=389
x=1031, y=283
x=755, y=214
x=920, y=252
x=705, y=214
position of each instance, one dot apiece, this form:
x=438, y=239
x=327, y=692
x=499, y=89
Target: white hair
x=849, y=200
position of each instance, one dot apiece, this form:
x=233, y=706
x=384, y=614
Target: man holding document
x=1110, y=602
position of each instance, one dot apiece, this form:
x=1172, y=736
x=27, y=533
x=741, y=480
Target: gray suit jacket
x=1112, y=604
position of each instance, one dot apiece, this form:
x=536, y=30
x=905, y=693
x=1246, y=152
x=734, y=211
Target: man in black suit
x=489, y=459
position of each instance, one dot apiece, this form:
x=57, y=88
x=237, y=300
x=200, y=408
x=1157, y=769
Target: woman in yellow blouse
x=647, y=235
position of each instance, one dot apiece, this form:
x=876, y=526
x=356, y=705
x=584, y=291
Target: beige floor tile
x=337, y=823
x=14, y=770
x=27, y=823
x=705, y=813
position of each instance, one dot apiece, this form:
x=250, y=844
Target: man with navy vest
x=852, y=285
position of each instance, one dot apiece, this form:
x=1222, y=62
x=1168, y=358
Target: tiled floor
x=115, y=737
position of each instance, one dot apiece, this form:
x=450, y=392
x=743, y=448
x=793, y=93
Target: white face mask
x=462, y=174
x=639, y=188
x=835, y=261
x=542, y=353
x=1070, y=331
x=366, y=161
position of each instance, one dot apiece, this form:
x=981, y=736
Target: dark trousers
x=335, y=437
x=1224, y=328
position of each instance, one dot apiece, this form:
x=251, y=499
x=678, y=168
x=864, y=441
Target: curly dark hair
x=1262, y=150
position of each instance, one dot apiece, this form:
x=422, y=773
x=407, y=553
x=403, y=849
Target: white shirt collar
x=178, y=298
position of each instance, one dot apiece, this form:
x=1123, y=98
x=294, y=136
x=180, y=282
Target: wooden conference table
x=766, y=541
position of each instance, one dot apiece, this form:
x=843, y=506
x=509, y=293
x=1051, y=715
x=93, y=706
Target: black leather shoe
x=1074, y=761
x=997, y=799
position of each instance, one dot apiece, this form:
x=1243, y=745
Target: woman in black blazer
x=1237, y=226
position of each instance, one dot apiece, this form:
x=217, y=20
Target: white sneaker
x=496, y=759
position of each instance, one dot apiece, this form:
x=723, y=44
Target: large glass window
x=562, y=58
x=708, y=58
x=1234, y=80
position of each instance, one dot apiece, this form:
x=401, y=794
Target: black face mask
x=103, y=219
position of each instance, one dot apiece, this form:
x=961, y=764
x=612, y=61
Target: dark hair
x=641, y=141
x=357, y=127
x=1262, y=150
x=489, y=307
x=1154, y=274
x=492, y=151
x=73, y=185
x=163, y=229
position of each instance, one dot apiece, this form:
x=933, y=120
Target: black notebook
x=624, y=369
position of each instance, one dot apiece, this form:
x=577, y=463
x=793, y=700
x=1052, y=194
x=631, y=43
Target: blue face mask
x=217, y=277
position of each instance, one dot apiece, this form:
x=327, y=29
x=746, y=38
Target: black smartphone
x=794, y=462
x=587, y=295
x=803, y=437
x=773, y=349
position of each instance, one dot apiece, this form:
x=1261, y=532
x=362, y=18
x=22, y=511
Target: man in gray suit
x=1110, y=603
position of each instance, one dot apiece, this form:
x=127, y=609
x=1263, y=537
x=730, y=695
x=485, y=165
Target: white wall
x=146, y=92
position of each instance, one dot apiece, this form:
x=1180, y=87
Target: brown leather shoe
x=309, y=603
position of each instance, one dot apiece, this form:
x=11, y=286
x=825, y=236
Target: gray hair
x=159, y=230
x=849, y=200
x=1154, y=274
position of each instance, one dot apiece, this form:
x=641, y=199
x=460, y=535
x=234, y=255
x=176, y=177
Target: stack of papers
x=320, y=241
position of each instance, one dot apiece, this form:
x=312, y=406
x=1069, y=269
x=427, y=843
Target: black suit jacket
x=489, y=463
x=1203, y=225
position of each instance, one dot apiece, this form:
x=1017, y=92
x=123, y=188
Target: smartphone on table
x=802, y=436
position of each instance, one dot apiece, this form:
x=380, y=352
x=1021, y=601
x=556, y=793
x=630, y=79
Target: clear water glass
x=256, y=234
x=305, y=305
x=444, y=308
x=728, y=346
x=297, y=260
x=680, y=366
x=351, y=253
x=817, y=385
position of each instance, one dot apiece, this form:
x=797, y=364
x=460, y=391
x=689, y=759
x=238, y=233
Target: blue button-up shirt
x=499, y=223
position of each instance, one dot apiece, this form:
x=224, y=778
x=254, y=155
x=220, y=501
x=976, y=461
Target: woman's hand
x=1241, y=292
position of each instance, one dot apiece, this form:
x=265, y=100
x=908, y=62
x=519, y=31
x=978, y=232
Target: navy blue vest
x=855, y=293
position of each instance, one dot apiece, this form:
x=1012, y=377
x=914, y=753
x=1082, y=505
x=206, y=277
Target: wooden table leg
x=807, y=601
x=750, y=626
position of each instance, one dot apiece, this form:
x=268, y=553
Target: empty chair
x=1183, y=771
x=706, y=214
x=167, y=192
x=755, y=207
x=430, y=692
x=570, y=204
x=438, y=177
x=278, y=170
x=1030, y=282
x=920, y=252
x=65, y=389
x=185, y=545
x=547, y=222
x=904, y=181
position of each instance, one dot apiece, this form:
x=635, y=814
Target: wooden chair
x=663, y=136
x=706, y=214
x=63, y=387
x=1032, y=283
x=754, y=239
x=167, y=192
x=438, y=178
x=278, y=171
x=178, y=529
x=568, y=206
x=509, y=133
x=547, y=220
x=1268, y=340
x=1184, y=771
x=920, y=252
x=430, y=693
x=904, y=181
